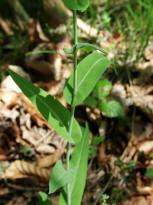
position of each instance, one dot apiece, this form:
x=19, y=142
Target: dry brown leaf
x=30, y=128
x=10, y=85
x=18, y=200
x=45, y=149
x=4, y=157
x=21, y=169
x=6, y=26
x=42, y=66
x=8, y=97
x=48, y=160
x=43, y=63
x=142, y=98
x=146, y=146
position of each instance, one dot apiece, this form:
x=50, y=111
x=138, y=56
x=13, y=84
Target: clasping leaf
x=90, y=47
x=52, y=110
x=89, y=70
x=59, y=177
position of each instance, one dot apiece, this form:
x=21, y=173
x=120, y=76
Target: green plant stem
x=72, y=107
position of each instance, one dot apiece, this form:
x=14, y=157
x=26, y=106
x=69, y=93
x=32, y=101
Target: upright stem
x=72, y=106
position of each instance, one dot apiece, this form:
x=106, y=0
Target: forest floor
x=121, y=166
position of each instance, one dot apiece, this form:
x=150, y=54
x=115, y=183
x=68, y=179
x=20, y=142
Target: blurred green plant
x=149, y=171
x=111, y=108
x=126, y=171
x=103, y=200
x=95, y=141
x=130, y=19
x=133, y=19
x=26, y=149
x=117, y=194
x=44, y=199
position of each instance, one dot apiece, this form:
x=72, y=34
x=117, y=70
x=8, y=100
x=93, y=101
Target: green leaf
x=112, y=108
x=79, y=158
x=149, y=172
x=90, y=101
x=131, y=164
x=80, y=5
x=39, y=52
x=97, y=140
x=52, y=110
x=114, y=68
x=103, y=200
x=90, y=47
x=25, y=149
x=92, y=151
x=102, y=88
x=59, y=177
x=44, y=199
x=68, y=51
x=120, y=163
x=105, y=17
x=89, y=70
x=87, y=46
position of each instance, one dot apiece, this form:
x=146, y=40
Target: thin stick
x=72, y=107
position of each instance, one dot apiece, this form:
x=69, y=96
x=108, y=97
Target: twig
x=21, y=188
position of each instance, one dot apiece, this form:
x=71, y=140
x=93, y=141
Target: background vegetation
x=120, y=163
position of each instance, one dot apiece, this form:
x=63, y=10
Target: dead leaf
x=21, y=169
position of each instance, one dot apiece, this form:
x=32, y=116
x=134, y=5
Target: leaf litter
x=29, y=146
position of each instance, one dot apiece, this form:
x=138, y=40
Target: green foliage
x=79, y=5
x=52, y=110
x=130, y=19
x=97, y=140
x=90, y=101
x=92, y=151
x=102, y=89
x=103, y=200
x=39, y=52
x=149, y=172
x=111, y=108
x=26, y=149
x=116, y=194
x=134, y=20
x=126, y=170
x=59, y=177
x=44, y=199
x=106, y=19
x=79, y=160
x=88, y=47
x=89, y=70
